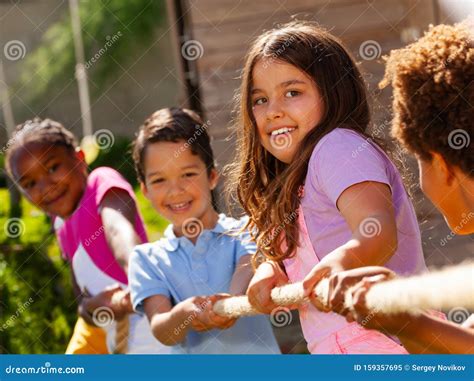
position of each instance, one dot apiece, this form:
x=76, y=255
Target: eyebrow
x=192, y=166
x=48, y=159
x=282, y=84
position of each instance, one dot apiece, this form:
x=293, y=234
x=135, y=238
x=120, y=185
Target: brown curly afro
x=433, y=94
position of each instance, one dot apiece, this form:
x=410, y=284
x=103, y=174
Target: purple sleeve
x=344, y=158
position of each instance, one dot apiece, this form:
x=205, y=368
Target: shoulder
x=340, y=141
x=101, y=174
x=151, y=249
x=231, y=227
x=230, y=223
x=101, y=180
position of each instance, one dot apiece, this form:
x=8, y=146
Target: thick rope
x=441, y=290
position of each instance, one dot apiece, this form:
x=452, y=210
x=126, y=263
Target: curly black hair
x=433, y=94
x=39, y=131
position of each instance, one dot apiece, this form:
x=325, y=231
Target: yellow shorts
x=87, y=339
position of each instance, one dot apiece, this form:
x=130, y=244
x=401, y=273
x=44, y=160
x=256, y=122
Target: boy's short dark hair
x=39, y=130
x=173, y=125
x=434, y=95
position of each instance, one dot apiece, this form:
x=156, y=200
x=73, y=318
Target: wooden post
x=81, y=74
x=15, y=195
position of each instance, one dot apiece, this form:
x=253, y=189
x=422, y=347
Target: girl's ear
x=143, y=189
x=213, y=178
x=443, y=168
x=80, y=154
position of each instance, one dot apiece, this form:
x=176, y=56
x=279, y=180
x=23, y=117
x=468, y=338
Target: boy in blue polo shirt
x=176, y=280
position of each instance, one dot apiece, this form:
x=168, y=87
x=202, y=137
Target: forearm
x=118, y=212
x=363, y=251
x=430, y=335
x=171, y=327
x=241, y=278
x=122, y=242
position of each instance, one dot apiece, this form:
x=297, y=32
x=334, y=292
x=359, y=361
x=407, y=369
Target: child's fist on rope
x=113, y=297
x=267, y=276
x=390, y=324
x=338, y=282
x=207, y=319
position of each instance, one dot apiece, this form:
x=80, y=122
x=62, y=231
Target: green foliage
x=37, y=303
x=38, y=308
x=128, y=26
x=119, y=157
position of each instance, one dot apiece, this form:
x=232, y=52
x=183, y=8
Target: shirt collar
x=172, y=242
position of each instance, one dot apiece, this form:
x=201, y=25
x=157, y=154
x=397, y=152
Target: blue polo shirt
x=178, y=269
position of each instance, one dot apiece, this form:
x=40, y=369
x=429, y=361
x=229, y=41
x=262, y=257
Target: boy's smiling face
x=178, y=185
x=52, y=177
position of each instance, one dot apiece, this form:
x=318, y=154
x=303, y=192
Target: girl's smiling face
x=52, y=177
x=286, y=105
x=178, y=185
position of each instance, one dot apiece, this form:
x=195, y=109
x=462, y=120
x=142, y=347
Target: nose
x=45, y=187
x=176, y=188
x=274, y=110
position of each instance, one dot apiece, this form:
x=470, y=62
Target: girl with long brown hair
x=322, y=196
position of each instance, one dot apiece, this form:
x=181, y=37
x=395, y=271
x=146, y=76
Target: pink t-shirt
x=82, y=236
x=343, y=158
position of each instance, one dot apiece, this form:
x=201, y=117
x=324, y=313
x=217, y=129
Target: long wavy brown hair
x=267, y=188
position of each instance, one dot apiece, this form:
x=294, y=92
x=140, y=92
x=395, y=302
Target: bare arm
x=242, y=276
x=170, y=325
x=118, y=212
x=368, y=210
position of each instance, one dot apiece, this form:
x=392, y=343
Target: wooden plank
x=213, y=13
x=233, y=59
x=340, y=21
